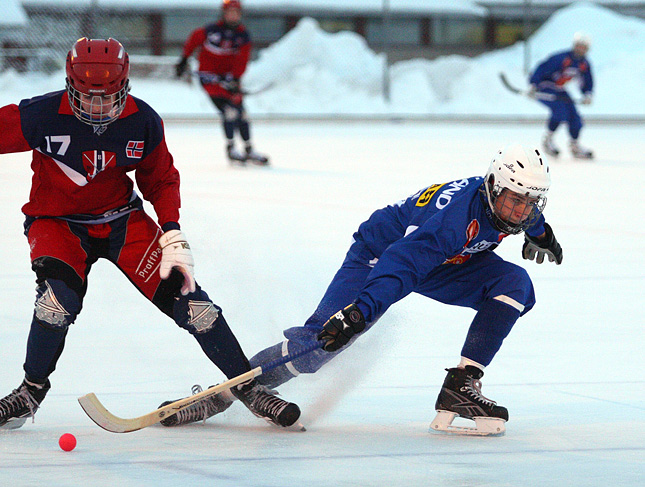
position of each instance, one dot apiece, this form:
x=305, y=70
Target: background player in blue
x=224, y=48
x=82, y=207
x=547, y=86
x=438, y=243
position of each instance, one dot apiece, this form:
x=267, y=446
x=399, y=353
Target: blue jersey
x=561, y=68
x=444, y=224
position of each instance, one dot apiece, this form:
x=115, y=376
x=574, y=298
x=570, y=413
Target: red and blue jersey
x=443, y=224
x=77, y=171
x=223, y=50
x=561, y=68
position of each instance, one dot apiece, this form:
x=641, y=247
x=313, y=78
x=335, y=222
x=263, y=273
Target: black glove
x=181, y=66
x=341, y=327
x=547, y=245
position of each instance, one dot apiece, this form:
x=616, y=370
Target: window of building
x=402, y=32
x=508, y=32
x=453, y=31
x=264, y=29
x=334, y=25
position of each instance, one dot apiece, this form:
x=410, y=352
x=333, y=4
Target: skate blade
x=484, y=426
x=258, y=163
x=237, y=162
x=13, y=424
x=297, y=426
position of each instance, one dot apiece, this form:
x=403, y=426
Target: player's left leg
x=558, y=115
x=230, y=116
x=135, y=250
x=137, y=254
x=500, y=292
x=245, y=132
x=575, y=125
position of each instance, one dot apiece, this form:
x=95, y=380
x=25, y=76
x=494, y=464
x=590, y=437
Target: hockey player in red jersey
x=224, y=49
x=82, y=207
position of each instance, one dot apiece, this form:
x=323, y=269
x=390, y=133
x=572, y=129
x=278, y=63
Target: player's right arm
x=545, y=70
x=195, y=39
x=12, y=139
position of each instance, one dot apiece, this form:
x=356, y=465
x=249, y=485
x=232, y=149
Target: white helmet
x=525, y=176
x=582, y=38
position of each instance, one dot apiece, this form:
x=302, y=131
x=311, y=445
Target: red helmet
x=231, y=4
x=97, y=80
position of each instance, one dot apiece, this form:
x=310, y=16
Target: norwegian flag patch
x=134, y=149
x=95, y=161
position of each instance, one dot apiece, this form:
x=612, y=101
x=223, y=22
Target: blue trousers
x=500, y=292
x=563, y=109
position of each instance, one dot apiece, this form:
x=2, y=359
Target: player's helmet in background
x=97, y=80
x=525, y=173
x=226, y=4
x=582, y=39
x=581, y=43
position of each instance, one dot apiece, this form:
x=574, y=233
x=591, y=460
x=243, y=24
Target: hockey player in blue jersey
x=547, y=86
x=438, y=243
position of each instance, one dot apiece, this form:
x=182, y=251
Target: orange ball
x=67, y=442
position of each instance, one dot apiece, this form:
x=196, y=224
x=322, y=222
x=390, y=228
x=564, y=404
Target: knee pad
x=57, y=305
x=515, y=289
x=231, y=113
x=195, y=312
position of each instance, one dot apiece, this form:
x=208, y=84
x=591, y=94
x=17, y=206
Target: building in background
x=404, y=29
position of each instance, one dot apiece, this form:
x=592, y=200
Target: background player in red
x=224, y=50
x=82, y=207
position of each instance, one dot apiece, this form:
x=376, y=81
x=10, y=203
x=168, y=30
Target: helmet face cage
x=515, y=188
x=512, y=212
x=95, y=109
x=97, y=81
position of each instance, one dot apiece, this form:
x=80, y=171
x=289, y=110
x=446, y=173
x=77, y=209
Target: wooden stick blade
x=109, y=422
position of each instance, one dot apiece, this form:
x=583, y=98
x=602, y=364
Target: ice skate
x=200, y=411
x=461, y=396
x=256, y=157
x=235, y=157
x=21, y=404
x=580, y=152
x=548, y=145
x=266, y=405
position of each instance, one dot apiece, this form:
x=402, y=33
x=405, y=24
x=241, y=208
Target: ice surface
x=266, y=244
x=268, y=241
